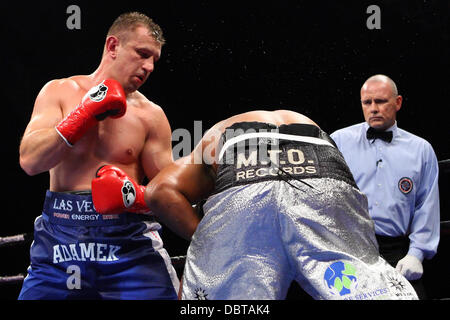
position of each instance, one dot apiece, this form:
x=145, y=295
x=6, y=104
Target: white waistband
x=273, y=135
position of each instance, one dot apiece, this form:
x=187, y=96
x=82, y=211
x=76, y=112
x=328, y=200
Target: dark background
x=227, y=57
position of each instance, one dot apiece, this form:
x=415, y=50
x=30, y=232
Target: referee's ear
x=398, y=102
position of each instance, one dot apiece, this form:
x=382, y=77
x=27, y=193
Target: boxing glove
x=106, y=99
x=114, y=192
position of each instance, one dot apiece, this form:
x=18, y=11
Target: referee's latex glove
x=410, y=267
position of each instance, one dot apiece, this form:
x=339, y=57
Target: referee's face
x=379, y=104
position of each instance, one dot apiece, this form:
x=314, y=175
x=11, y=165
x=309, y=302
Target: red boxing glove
x=114, y=192
x=106, y=99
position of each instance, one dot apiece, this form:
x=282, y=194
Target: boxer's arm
x=171, y=202
x=157, y=151
x=172, y=192
x=41, y=147
x=187, y=181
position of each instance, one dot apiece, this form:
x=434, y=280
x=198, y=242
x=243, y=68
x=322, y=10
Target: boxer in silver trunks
x=281, y=205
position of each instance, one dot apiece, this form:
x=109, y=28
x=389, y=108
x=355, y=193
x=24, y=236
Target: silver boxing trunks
x=290, y=212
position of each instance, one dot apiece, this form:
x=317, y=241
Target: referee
x=398, y=171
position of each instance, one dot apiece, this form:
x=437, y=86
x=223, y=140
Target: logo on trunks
x=343, y=280
x=89, y=251
x=98, y=92
x=274, y=162
x=340, y=278
x=396, y=283
x=128, y=194
x=200, y=294
x=405, y=185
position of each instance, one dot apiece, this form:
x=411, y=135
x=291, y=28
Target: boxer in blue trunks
x=79, y=254
x=78, y=124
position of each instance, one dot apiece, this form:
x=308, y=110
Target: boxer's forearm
x=41, y=150
x=173, y=210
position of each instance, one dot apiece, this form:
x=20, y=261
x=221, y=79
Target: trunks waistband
x=78, y=210
x=274, y=136
x=294, y=151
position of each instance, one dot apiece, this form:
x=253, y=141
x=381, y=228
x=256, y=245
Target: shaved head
x=385, y=79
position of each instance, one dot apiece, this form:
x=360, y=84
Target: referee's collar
x=392, y=128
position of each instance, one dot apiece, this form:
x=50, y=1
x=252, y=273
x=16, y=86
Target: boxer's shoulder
x=139, y=100
x=143, y=106
x=65, y=86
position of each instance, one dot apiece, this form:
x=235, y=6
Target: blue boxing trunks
x=80, y=254
x=286, y=207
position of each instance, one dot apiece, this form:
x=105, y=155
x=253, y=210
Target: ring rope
x=11, y=240
x=11, y=279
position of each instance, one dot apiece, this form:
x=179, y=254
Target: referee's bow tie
x=376, y=134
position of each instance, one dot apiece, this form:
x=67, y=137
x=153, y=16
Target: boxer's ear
x=111, y=46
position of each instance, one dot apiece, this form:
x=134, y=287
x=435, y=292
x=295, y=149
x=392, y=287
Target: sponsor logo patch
x=405, y=185
x=340, y=278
